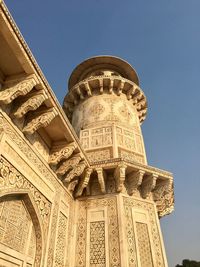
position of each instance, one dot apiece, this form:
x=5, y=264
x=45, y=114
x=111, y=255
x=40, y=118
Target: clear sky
x=161, y=39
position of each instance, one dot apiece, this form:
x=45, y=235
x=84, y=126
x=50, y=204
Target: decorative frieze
x=40, y=119
x=18, y=87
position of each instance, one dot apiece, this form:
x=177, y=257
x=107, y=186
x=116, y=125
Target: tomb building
x=76, y=189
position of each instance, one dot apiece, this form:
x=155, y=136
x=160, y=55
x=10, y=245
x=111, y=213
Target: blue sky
x=161, y=40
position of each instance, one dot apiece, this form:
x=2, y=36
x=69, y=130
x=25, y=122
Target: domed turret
x=106, y=107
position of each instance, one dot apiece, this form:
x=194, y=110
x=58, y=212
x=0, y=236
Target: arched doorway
x=18, y=235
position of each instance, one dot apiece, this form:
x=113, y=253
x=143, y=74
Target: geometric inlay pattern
x=130, y=203
x=144, y=245
x=130, y=239
x=113, y=233
x=97, y=244
x=16, y=226
x=61, y=241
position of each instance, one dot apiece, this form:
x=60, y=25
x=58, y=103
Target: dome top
x=101, y=63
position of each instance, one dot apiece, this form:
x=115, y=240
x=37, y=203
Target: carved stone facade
x=65, y=203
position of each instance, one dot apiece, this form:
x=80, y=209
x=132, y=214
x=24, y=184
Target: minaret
x=119, y=206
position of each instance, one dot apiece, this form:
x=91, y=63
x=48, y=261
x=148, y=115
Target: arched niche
x=20, y=230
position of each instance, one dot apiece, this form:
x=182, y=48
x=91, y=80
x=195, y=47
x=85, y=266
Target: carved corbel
x=32, y=103
x=142, y=112
x=120, y=175
x=14, y=88
x=74, y=98
x=41, y=119
x=100, y=176
x=121, y=87
x=138, y=95
x=164, y=197
x=61, y=153
x=72, y=185
x=88, y=89
x=75, y=172
x=69, y=164
x=149, y=184
x=100, y=85
x=84, y=182
x=68, y=106
x=111, y=86
x=130, y=92
x=78, y=91
x=134, y=181
x=141, y=104
x=161, y=188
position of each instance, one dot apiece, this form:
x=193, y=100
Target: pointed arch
x=14, y=200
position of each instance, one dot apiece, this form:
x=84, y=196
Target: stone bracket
x=84, y=182
x=75, y=172
x=18, y=87
x=134, y=181
x=68, y=164
x=120, y=174
x=163, y=196
x=41, y=119
x=33, y=102
x=101, y=174
x=148, y=185
x=61, y=153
